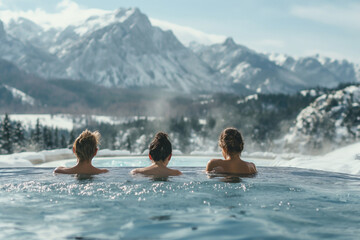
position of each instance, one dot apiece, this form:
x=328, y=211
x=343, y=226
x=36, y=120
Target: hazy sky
x=295, y=27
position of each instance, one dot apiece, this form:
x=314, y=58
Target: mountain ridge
x=124, y=52
x=122, y=49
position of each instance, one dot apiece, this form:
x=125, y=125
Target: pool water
x=141, y=161
x=277, y=203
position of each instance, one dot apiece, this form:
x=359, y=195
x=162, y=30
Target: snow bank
x=4, y=163
x=29, y=158
x=344, y=160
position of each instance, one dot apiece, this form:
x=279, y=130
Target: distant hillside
x=255, y=71
x=319, y=71
x=333, y=119
x=118, y=49
x=122, y=49
x=69, y=96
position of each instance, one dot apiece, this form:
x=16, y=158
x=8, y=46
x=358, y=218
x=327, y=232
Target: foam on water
x=278, y=203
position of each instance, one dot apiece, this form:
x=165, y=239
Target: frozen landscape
x=286, y=74
x=343, y=160
x=123, y=53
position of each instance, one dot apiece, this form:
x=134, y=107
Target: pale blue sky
x=297, y=27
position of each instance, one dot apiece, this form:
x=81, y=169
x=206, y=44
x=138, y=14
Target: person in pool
x=84, y=148
x=160, y=150
x=232, y=144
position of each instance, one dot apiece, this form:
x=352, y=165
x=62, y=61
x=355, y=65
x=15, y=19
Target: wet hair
x=231, y=141
x=85, y=145
x=160, y=147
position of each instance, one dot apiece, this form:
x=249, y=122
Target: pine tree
x=195, y=124
x=72, y=137
x=63, y=141
x=56, y=138
x=36, y=138
x=45, y=137
x=128, y=144
x=7, y=135
x=210, y=122
x=50, y=143
x=19, y=137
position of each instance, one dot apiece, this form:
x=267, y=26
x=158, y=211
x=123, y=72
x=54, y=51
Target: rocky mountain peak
x=229, y=42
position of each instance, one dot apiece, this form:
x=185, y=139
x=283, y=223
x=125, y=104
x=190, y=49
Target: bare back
x=231, y=166
x=155, y=170
x=90, y=170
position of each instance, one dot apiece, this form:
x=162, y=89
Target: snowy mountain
x=18, y=95
x=119, y=49
x=188, y=35
x=29, y=32
x=122, y=49
x=24, y=54
x=319, y=71
x=333, y=119
x=244, y=66
x=343, y=69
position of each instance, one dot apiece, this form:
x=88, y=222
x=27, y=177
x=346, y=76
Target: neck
x=160, y=163
x=233, y=157
x=84, y=163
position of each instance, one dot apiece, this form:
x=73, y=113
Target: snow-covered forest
x=312, y=121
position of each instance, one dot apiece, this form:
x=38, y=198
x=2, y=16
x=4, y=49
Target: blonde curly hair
x=85, y=145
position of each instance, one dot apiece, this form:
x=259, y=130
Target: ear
x=170, y=156
x=150, y=157
x=96, y=151
x=73, y=150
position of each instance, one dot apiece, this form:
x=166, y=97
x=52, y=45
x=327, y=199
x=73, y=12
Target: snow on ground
x=68, y=121
x=28, y=159
x=21, y=95
x=61, y=121
x=343, y=160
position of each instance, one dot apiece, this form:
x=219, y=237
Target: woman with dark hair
x=160, y=151
x=232, y=144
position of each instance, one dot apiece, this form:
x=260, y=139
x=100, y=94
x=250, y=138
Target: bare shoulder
x=176, y=172
x=252, y=167
x=212, y=164
x=136, y=170
x=60, y=169
x=214, y=161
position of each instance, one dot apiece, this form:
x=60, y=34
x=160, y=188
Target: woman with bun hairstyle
x=232, y=144
x=160, y=151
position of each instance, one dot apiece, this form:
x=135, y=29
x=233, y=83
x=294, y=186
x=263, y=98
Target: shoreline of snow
x=343, y=160
x=30, y=159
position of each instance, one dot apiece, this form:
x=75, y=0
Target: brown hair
x=85, y=145
x=231, y=141
x=160, y=147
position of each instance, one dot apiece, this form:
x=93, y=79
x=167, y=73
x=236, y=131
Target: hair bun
x=231, y=140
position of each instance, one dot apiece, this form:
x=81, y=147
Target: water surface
x=278, y=203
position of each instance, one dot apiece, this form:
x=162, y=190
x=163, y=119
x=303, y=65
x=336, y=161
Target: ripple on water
x=275, y=204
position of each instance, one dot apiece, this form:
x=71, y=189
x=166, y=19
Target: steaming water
x=278, y=203
x=138, y=161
